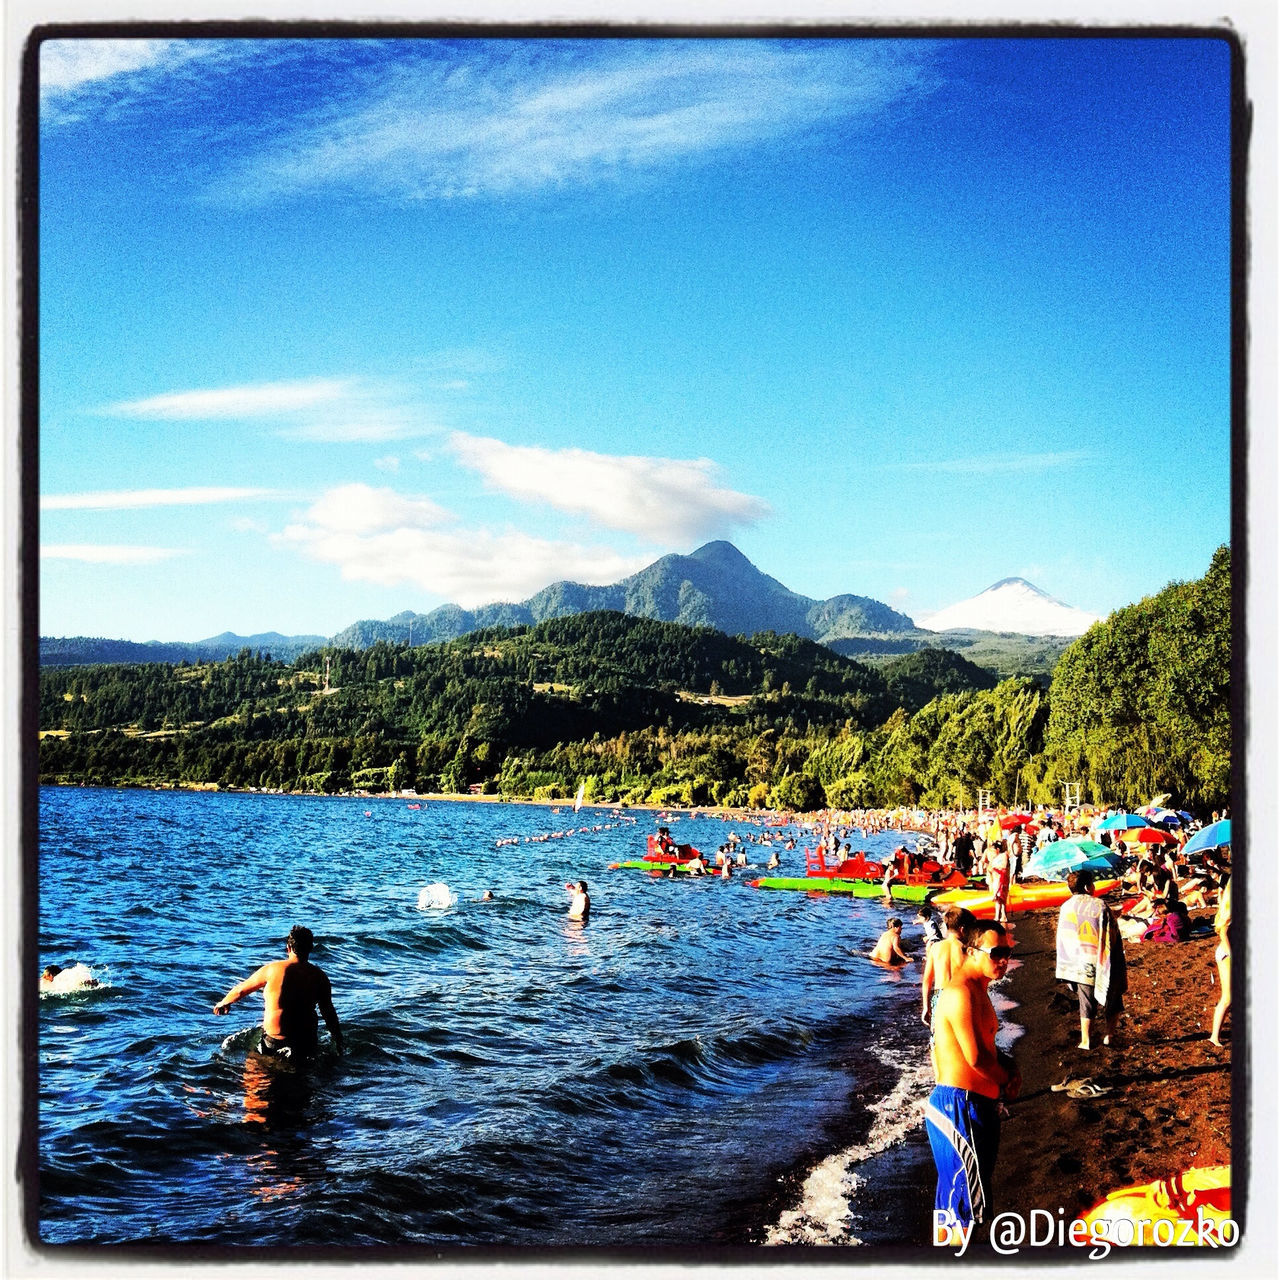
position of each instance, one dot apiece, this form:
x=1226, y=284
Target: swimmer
x=292, y=989
x=56, y=980
x=487, y=896
x=889, y=949
x=580, y=907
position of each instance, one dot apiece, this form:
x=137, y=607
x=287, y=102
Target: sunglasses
x=996, y=953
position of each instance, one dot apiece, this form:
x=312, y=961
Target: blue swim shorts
x=964, y=1132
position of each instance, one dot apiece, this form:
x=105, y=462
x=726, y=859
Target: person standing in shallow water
x=580, y=907
x=293, y=989
x=962, y=1115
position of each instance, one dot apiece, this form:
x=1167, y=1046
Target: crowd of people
x=964, y=955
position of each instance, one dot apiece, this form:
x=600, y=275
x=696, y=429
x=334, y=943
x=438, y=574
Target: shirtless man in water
x=889, y=948
x=962, y=1116
x=292, y=989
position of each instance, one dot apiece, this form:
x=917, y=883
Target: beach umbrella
x=1107, y=864
x=1056, y=860
x=1090, y=847
x=1011, y=820
x=1152, y=835
x=1123, y=822
x=1214, y=836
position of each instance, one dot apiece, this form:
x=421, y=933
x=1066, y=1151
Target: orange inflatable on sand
x=1195, y=1205
x=1022, y=897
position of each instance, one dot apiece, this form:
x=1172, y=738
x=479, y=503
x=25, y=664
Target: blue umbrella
x=1214, y=836
x=1123, y=822
x=1055, y=860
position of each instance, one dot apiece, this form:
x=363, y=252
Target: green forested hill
x=642, y=710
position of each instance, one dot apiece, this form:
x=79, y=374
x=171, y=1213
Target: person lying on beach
x=580, y=906
x=962, y=1115
x=292, y=988
x=889, y=949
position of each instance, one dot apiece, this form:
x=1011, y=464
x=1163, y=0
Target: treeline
x=645, y=711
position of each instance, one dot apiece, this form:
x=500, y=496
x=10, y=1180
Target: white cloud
x=321, y=409
x=510, y=118
x=133, y=499
x=263, y=399
x=70, y=65
x=92, y=554
x=378, y=536
x=669, y=501
x=998, y=463
x=388, y=463
x=359, y=509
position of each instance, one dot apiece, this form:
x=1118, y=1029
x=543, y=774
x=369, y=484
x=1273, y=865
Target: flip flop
x=1088, y=1090
x=1064, y=1086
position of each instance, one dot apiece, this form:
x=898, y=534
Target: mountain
x=1012, y=605
x=715, y=586
x=72, y=651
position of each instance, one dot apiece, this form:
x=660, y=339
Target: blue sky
x=331, y=329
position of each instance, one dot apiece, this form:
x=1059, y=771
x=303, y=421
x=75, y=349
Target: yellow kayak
x=1022, y=897
x=1190, y=1208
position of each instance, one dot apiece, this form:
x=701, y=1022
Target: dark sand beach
x=1167, y=1109
x=1169, y=1105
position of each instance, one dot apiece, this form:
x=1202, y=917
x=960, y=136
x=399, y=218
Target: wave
x=825, y=1212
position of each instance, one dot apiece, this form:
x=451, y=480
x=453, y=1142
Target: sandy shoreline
x=1168, y=1106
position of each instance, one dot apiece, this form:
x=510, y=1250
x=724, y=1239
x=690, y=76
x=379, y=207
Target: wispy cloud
x=376, y=535
x=94, y=78
x=67, y=66
x=105, y=554
x=134, y=499
x=668, y=501
x=323, y=409
x=257, y=400
x=997, y=463
x=494, y=117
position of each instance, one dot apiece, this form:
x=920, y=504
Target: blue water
x=511, y=1077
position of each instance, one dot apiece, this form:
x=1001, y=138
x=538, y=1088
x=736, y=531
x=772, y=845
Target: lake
x=664, y=1075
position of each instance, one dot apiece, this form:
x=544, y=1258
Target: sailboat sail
x=577, y=800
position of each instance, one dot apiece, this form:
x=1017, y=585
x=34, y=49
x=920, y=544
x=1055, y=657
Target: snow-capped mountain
x=1012, y=604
